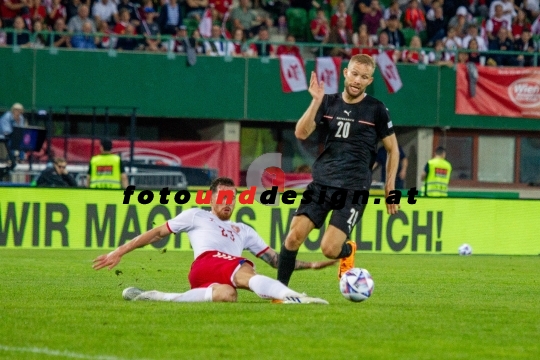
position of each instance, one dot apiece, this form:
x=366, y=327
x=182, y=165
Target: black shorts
x=345, y=214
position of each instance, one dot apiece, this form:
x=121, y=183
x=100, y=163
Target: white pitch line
x=62, y=353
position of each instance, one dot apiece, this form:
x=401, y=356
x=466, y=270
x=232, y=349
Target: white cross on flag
x=205, y=26
x=293, y=75
x=389, y=72
x=328, y=70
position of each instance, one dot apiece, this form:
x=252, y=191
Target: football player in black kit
x=353, y=123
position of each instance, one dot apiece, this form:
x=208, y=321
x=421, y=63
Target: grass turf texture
x=423, y=307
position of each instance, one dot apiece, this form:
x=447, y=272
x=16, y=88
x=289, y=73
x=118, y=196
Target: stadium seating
x=297, y=21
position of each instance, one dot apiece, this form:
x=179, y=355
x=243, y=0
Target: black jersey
x=352, y=133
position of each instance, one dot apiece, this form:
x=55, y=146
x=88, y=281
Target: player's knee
x=330, y=250
x=294, y=239
x=224, y=293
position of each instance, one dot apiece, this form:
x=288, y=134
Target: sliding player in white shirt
x=219, y=268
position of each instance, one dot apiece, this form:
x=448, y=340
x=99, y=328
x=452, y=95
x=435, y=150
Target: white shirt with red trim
x=207, y=232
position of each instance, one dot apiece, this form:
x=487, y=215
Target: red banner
x=507, y=91
x=221, y=155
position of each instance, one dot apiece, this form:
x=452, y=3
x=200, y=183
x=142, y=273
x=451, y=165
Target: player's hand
x=391, y=209
x=322, y=264
x=111, y=260
x=316, y=88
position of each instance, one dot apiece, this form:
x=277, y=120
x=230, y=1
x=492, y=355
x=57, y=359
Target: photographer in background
x=57, y=175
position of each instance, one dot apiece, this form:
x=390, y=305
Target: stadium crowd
x=410, y=31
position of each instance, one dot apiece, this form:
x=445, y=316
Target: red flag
x=205, y=26
x=293, y=75
x=328, y=69
x=389, y=73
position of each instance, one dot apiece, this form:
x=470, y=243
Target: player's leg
x=214, y=293
x=267, y=288
x=301, y=226
x=335, y=243
x=308, y=217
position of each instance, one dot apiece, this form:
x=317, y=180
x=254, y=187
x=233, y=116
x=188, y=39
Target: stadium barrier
x=97, y=219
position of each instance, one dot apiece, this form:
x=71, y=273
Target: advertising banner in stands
x=221, y=155
x=38, y=218
x=498, y=91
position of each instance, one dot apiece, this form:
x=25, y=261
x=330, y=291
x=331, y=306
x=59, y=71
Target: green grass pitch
x=53, y=305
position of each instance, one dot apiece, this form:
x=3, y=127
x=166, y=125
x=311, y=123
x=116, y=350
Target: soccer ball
x=356, y=285
x=465, y=249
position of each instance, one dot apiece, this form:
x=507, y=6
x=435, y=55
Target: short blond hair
x=363, y=59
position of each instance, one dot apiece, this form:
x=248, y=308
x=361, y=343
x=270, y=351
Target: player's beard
x=224, y=215
x=351, y=95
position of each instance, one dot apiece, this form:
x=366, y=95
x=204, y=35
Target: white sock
x=193, y=295
x=266, y=288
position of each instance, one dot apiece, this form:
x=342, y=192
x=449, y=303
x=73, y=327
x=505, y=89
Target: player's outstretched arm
x=391, y=145
x=271, y=257
x=113, y=258
x=306, y=125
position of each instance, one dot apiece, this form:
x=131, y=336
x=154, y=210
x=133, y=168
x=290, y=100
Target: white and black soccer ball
x=465, y=249
x=356, y=285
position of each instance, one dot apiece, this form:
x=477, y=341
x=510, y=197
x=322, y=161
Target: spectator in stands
x=508, y=11
x=129, y=43
x=196, y=8
x=10, y=9
x=170, y=18
x=535, y=27
x=121, y=25
x=452, y=42
x=384, y=45
x=475, y=57
x=525, y=43
x=75, y=25
x=57, y=175
x=460, y=21
x=105, y=41
x=426, y=6
x=373, y=19
x=414, y=53
x=61, y=39
x=436, y=27
x=40, y=40
x=265, y=49
x=3, y=35
x=183, y=41
x=289, y=48
x=395, y=36
x=150, y=29
x=341, y=13
x=463, y=57
x=520, y=23
x=134, y=14
x=243, y=17
x=239, y=39
x=532, y=8
x=106, y=170
x=199, y=43
x=319, y=27
x=414, y=17
x=10, y=119
x=217, y=45
x=20, y=36
x=85, y=39
x=363, y=45
x=221, y=7
x=472, y=33
x=360, y=8
x=72, y=9
x=438, y=56
x=340, y=35
x=105, y=10
x=503, y=43
x=393, y=9
x=55, y=11
x=494, y=24
x=362, y=30
x=34, y=12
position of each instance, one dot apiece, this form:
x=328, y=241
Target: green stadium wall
x=240, y=89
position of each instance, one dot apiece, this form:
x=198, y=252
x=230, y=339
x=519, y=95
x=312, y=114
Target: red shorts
x=214, y=267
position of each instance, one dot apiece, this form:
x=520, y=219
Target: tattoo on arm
x=300, y=265
x=271, y=258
